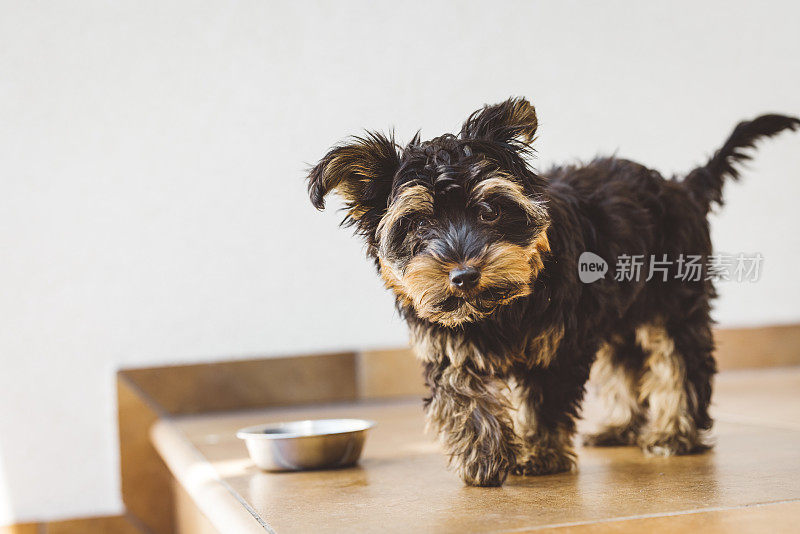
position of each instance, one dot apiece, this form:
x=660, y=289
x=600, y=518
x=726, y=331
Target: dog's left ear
x=361, y=172
x=512, y=122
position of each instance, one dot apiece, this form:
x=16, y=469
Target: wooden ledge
x=210, y=497
x=403, y=480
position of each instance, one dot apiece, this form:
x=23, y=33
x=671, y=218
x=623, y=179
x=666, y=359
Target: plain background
x=152, y=208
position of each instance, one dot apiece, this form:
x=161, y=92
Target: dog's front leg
x=468, y=410
x=551, y=399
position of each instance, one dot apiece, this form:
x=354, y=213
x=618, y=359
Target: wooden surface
x=94, y=525
x=239, y=384
x=116, y=524
x=224, y=510
x=146, y=489
x=763, y=346
x=774, y=518
x=403, y=485
x=21, y=528
x=389, y=373
x=188, y=517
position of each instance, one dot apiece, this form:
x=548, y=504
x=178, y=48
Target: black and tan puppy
x=482, y=254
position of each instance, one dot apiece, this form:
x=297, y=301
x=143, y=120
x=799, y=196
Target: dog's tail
x=705, y=183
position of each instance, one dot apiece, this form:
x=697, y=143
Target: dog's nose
x=465, y=278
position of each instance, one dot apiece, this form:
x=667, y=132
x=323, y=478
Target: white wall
x=152, y=208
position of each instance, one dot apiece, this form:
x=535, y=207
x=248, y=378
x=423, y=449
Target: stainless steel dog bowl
x=312, y=444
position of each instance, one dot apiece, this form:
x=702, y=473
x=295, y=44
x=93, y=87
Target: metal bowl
x=311, y=444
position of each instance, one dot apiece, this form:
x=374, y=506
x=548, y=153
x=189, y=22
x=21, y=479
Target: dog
x=482, y=254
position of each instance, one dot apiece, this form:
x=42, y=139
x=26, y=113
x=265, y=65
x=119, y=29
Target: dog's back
x=656, y=355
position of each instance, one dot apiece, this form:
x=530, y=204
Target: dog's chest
x=486, y=353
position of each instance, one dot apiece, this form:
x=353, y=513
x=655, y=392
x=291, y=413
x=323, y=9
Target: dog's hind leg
x=616, y=373
x=676, y=385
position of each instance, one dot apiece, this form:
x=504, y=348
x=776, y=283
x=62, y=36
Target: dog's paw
x=546, y=462
x=611, y=436
x=483, y=473
x=664, y=444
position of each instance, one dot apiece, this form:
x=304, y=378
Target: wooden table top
x=403, y=485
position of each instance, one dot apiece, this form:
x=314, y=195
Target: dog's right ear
x=360, y=171
x=512, y=122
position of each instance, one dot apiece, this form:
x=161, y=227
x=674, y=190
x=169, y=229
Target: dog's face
x=456, y=223
x=460, y=235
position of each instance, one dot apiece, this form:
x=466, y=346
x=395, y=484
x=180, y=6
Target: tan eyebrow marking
x=414, y=199
x=499, y=185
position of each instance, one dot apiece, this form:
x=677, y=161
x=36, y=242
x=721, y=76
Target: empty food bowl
x=311, y=444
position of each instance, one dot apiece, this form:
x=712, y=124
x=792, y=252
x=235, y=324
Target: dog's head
x=456, y=224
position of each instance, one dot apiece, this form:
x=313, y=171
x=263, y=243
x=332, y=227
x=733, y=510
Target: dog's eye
x=422, y=224
x=488, y=212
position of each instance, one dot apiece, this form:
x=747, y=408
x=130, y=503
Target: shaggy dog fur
x=482, y=255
